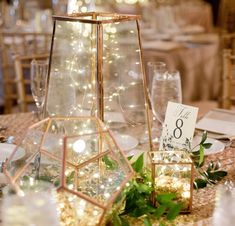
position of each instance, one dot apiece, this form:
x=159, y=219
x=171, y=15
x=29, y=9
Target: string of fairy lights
x=89, y=5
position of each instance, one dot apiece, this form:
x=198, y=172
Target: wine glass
x=166, y=86
x=38, y=73
x=154, y=68
x=25, y=207
x=224, y=205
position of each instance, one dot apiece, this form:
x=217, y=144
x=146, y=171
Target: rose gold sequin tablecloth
x=203, y=199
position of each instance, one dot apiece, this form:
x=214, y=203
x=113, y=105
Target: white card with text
x=179, y=126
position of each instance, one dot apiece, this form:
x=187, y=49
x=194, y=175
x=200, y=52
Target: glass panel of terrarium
x=124, y=97
x=71, y=86
x=24, y=153
x=99, y=181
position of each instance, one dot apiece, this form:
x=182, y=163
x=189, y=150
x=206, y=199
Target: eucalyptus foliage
x=209, y=174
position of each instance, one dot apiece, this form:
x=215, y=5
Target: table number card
x=178, y=127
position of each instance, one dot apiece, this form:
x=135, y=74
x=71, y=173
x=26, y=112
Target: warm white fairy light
x=31, y=181
x=61, y=142
x=131, y=2
x=81, y=173
x=177, y=184
x=71, y=186
x=67, y=172
x=96, y=175
x=82, y=6
x=71, y=198
x=95, y=212
x=107, y=195
x=79, y=146
x=186, y=194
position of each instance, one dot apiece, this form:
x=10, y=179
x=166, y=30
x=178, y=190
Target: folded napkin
x=218, y=121
x=199, y=38
x=192, y=29
x=161, y=45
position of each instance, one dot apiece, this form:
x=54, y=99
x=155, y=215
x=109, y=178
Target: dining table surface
x=203, y=199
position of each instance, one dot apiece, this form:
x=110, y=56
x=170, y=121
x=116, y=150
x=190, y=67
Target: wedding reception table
x=195, y=56
x=203, y=199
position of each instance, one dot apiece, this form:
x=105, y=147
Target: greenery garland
x=136, y=197
x=137, y=201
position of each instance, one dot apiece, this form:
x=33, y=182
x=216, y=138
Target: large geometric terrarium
x=79, y=157
x=172, y=172
x=96, y=69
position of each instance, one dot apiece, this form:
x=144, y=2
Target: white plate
x=134, y=152
x=217, y=146
x=7, y=149
x=125, y=142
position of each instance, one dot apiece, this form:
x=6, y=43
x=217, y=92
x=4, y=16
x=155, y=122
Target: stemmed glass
x=166, y=86
x=154, y=68
x=38, y=80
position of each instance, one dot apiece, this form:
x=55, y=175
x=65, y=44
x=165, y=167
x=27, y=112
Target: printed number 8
x=177, y=131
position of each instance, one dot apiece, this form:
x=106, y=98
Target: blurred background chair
x=226, y=18
x=16, y=43
x=227, y=97
x=22, y=69
x=228, y=41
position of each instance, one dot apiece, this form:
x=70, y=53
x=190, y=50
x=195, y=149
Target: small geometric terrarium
x=172, y=172
x=79, y=157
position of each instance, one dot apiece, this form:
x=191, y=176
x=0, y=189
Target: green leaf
x=161, y=224
x=45, y=178
x=57, y=183
x=196, y=153
x=199, y=183
x=116, y=220
x=130, y=157
x=110, y=164
x=159, y=211
x=201, y=157
x=25, y=178
x=174, y=211
x=70, y=178
x=204, y=137
x=207, y=145
x=138, y=164
x=151, y=208
x=124, y=221
x=165, y=198
x=210, y=166
x=217, y=175
x=217, y=166
x=138, y=212
x=147, y=221
x=221, y=173
x=143, y=188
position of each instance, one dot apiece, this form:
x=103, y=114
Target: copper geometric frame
x=97, y=22
x=101, y=150
x=176, y=169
